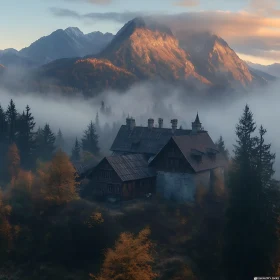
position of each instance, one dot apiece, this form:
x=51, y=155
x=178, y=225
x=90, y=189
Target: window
x=110, y=188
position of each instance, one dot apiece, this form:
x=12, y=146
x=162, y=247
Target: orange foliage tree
x=58, y=179
x=5, y=227
x=131, y=259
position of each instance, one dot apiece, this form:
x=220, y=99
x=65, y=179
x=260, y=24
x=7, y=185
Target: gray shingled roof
x=82, y=168
x=143, y=140
x=200, y=142
x=131, y=167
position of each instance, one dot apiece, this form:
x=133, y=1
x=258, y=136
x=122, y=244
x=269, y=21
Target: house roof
x=144, y=140
x=82, y=167
x=201, y=142
x=131, y=167
x=198, y=144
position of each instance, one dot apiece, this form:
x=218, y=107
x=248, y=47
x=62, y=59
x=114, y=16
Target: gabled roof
x=131, y=167
x=200, y=143
x=144, y=140
x=82, y=168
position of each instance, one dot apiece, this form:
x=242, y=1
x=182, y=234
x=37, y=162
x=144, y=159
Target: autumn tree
x=130, y=259
x=59, y=180
x=6, y=237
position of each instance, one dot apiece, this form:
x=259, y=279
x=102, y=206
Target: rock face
x=215, y=60
x=150, y=50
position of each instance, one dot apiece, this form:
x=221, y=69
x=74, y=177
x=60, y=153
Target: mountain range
x=273, y=69
x=141, y=50
x=71, y=42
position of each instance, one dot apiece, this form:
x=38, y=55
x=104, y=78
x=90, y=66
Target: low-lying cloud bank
x=149, y=100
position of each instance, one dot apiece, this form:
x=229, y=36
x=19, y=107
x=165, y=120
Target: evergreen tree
x=90, y=140
x=12, y=114
x=245, y=255
x=76, y=151
x=102, y=109
x=26, y=138
x=3, y=125
x=45, y=140
x=97, y=123
x=221, y=147
x=59, y=140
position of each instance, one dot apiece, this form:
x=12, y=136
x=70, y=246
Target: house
x=186, y=163
x=149, y=140
x=122, y=177
x=171, y=161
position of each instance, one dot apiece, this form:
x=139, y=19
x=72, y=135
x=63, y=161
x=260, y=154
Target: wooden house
x=122, y=177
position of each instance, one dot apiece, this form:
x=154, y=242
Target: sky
x=251, y=27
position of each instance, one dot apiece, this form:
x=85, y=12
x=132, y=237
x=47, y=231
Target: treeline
x=233, y=236
x=38, y=145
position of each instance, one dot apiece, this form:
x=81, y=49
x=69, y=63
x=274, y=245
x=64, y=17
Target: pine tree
x=13, y=159
x=90, y=140
x=268, y=203
x=45, y=140
x=3, y=125
x=245, y=255
x=26, y=138
x=12, y=114
x=221, y=147
x=97, y=123
x=59, y=140
x=76, y=151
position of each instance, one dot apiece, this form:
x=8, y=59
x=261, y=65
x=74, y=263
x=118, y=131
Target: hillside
x=89, y=75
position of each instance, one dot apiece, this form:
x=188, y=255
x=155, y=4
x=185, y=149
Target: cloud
x=267, y=7
x=109, y=16
x=187, y=3
x=245, y=32
x=95, y=2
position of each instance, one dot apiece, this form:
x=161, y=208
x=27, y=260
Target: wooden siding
x=171, y=159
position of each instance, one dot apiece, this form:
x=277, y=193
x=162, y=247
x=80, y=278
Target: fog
x=152, y=100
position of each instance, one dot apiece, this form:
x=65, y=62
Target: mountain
x=216, y=61
x=148, y=50
x=11, y=57
x=273, y=69
x=71, y=42
x=267, y=77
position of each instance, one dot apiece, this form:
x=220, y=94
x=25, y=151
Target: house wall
x=105, y=181
x=171, y=159
x=181, y=187
x=138, y=188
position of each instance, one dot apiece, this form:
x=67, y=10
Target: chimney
x=174, y=123
x=150, y=123
x=160, y=122
x=130, y=122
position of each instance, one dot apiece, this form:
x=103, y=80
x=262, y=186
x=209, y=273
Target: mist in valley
x=150, y=100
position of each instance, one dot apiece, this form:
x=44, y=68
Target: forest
x=48, y=230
